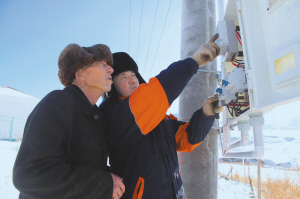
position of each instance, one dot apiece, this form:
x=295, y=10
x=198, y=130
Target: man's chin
x=107, y=89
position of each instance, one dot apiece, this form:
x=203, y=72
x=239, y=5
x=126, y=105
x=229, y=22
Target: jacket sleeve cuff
x=203, y=116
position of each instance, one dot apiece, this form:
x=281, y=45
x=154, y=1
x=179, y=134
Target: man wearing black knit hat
x=142, y=140
x=63, y=153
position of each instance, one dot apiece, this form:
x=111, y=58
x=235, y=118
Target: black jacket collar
x=81, y=99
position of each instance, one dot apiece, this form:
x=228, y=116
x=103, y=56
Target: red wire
x=240, y=105
x=231, y=104
x=237, y=65
x=233, y=63
x=238, y=39
x=241, y=45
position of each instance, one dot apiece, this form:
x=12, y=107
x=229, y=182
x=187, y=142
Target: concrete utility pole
x=199, y=170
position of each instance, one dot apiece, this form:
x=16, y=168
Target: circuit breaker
x=233, y=84
x=233, y=88
x=227, y=40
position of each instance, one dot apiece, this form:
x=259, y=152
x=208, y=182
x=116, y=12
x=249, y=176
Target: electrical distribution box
x=260, y=66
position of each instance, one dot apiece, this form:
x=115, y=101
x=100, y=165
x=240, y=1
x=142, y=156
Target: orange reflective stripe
x=149, y=104
x=172, y=117
x=182, y=142
x=122, y=98
x=139, y=189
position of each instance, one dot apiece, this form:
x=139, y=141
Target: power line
x=151, y=36
x=160, y=38
x=137, y=54
x=129, y=26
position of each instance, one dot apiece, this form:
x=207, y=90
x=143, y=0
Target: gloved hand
x=208, y=108
x=207, y=52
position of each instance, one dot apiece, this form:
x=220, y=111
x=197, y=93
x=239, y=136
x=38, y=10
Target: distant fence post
x=258, y=180
x=11, y=129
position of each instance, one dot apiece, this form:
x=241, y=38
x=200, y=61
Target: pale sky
x=33, y=33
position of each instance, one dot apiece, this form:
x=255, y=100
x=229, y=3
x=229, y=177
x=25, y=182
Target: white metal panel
x=231, y=12
x=267, y=32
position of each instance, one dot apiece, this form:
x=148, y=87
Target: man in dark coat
x=63, y=153
x=142, y=139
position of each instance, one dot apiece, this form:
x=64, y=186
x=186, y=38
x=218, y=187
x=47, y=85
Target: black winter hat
x=122, y=63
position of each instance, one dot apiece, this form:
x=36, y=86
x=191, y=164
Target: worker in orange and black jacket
x=142, y=140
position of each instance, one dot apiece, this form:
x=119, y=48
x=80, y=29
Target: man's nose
x=133, y=80
x=110, y=69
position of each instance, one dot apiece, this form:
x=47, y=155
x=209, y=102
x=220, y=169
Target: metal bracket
x=209, y=71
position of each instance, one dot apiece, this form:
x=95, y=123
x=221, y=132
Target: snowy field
x=281, y=134
x=281, y=141
x=281, y=153
x=8, y=153
x=281, y=156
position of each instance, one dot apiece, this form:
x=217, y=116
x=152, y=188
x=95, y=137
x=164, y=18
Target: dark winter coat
x=143, y=141
x=63, y=153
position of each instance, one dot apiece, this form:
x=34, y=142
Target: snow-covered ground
x=281, y=134
x=8, y=153
x=228, y=189
x=281, y=140
x=281, y=153
x=281, y=156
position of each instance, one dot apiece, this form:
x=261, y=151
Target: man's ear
x=79, y=74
